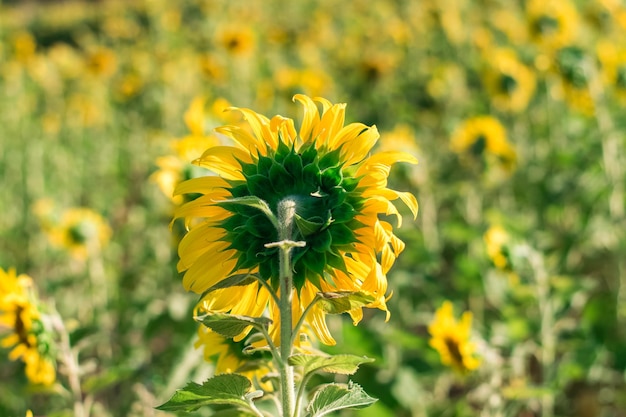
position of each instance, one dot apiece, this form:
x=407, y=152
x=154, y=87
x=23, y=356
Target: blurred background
x=515, y=110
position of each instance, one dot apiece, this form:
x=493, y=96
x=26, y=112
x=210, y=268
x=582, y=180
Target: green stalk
x=286, y=213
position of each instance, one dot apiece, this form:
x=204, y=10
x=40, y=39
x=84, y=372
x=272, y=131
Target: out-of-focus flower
x=212, y=68
x=483, y=135
x=613, y=68
x=553, y=24
x=447, y=81
x=338, y=189
x=20, y=315
x=101, y=62
x=84, y=111
x=452, y=21
x=452, y=339
x=24, y=46
x=511, y=84
x=236, y=39
x=81, y=231
x=509, y=22
x=176, y=168
x=574, y=88
x=495, y=239
x=67, y=60
x=307, y=81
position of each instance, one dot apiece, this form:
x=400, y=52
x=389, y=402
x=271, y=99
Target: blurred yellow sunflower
x=484, y=135
x=20, y=315
x=452, y=339
x=510, y=83
x=339, y=190
x=236, y=39
x=176, y=168
x=81, y=231
x=552, y=23
x=574, y=87
x=613, y=67
x=495, y=238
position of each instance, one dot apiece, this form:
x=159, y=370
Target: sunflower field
x=125, y=124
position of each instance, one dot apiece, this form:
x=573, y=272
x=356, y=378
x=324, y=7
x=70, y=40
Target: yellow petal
x=244, y=139
x=260, y=126
x=310, y=118
x=224, y=160
x=355, y=151
x=210, y=268
x=204, y=185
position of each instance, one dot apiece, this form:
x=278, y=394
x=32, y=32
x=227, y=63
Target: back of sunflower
x=285, y=228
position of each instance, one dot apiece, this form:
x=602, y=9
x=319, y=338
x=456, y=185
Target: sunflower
x=452, y=339
x=237, y=39
x=27, y=337
x=613, y=68
x=552, y=23
x=339, y=191
x=570, y=63
x=81, y=231
x=510, y=83
x=483, y=136
x=495, y=240
x=176, y=168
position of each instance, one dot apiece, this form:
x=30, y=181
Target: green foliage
x=229, y=389
x=230, y=325
x=339, y=364
x=334, y=397
x=343, y=301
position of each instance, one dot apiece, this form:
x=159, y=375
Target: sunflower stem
x=286, y=214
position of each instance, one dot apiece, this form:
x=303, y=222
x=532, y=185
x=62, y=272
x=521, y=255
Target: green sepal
x=334, y=397
x=339, y=364
x=281, y=179
x=308, y=227
x=343, y=301
x=237, y=280
x=250, y=201
x=230, y=325
x=226, y=389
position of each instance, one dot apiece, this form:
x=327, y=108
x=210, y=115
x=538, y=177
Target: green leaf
x=338, y=364
x=307, y=227
x=343, y=301
x=254, y=202
x=335, y=397
x=226, y=389
x=230, y=325
x=237, y=280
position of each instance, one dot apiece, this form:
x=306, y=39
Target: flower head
x=510, y=83
x=552, y=23
x=483, y=136
x=339, y=190
x=452, y=339
x=27, y=337
x=495, y=240
x=81, y=231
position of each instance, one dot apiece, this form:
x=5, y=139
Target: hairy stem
x=286, y=213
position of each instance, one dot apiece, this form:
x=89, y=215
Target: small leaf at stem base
x=230, y=325
x=335, y=397
x=226, y=389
